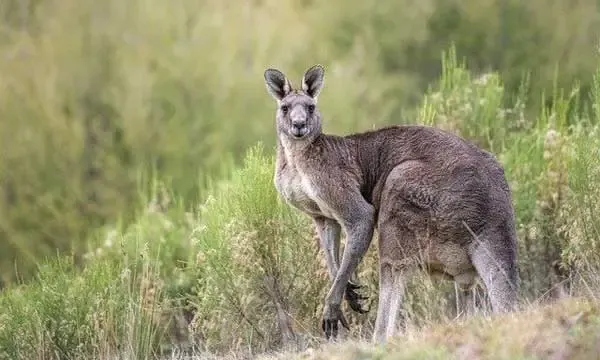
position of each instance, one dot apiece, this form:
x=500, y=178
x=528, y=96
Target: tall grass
x=104, y=311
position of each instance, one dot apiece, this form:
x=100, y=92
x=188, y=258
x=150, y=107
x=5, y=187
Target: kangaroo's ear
x=277, y=84
x=312, y=81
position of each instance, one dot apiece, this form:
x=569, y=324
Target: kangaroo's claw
x=331, y=317
x=354, y=297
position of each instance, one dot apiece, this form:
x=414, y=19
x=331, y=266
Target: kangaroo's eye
x=311, y=108
x=284, y=109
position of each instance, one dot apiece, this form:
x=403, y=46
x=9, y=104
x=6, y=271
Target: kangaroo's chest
x=301, y=191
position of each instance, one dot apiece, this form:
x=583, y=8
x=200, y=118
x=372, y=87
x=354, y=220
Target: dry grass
x=568, y=329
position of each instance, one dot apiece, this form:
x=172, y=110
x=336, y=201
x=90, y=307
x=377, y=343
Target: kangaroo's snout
x=299, y=117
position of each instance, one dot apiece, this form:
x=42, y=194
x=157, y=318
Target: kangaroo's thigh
x=410, y=188
x=404, y=219
x=443, y=203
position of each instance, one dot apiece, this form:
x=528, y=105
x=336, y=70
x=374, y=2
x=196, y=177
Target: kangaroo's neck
x=322, y=145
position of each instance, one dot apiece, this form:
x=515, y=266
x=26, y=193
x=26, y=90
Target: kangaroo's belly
x=403, y=248
x=449, y=257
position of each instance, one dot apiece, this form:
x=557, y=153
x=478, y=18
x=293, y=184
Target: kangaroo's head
x=297, y=115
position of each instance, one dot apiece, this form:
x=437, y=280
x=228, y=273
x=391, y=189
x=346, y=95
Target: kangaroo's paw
x=332, y=315
x=354, y=298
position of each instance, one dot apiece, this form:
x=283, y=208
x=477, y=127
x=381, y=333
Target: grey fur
x=438, y=202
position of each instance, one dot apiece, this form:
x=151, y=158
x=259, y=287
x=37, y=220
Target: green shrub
x=259, y=283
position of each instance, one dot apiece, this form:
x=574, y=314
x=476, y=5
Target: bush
x=259, y=278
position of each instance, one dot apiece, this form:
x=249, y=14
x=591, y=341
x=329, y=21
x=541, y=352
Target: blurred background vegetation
x=97, y=98
x=124, y=125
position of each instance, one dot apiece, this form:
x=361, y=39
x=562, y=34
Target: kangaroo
x=438, y=202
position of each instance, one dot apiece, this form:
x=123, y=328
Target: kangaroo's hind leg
x=397, y=253
x=494, y=256
x=391, y=292
x=465, y=293
x=399, y=247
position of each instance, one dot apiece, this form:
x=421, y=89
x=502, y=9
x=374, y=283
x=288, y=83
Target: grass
x=568, y=329
x=65, y=314
x=240, y=274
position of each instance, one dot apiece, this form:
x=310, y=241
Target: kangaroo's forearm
x=329, y=237
x=359, y=238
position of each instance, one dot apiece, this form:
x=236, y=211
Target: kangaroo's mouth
x=299, y=133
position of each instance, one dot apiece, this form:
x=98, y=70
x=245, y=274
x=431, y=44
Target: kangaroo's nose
x=298, y=117
x=299, y=124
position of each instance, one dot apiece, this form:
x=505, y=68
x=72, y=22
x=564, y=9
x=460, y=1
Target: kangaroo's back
x=444, y=158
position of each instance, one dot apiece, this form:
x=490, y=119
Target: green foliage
x=581, y=225
x=473, y=107
x=105, y=310
x=254, y=254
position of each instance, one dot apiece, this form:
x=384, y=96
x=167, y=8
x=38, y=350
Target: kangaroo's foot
x=331, y=317
x=354, y=298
